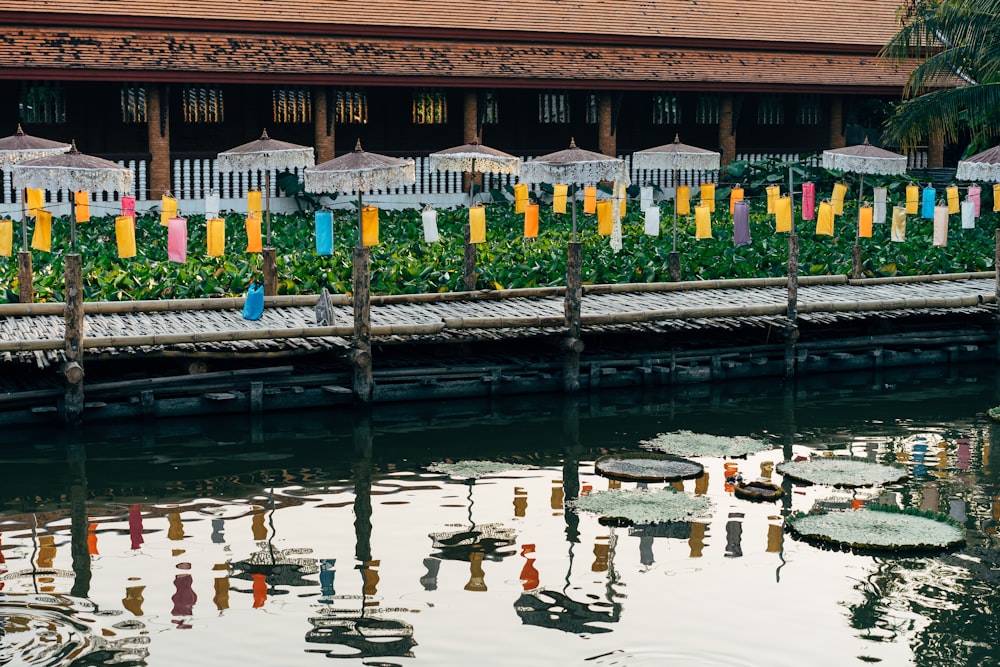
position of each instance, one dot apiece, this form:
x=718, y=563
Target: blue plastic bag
x=253, y=307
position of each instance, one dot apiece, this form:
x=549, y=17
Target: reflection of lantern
x=731, y=470
x=602, y=549
x=556, y=501
x=133, y=599
x=477, y=581
x=520, y=501
x=697, y=539
x=529, y=575
x=774, y=538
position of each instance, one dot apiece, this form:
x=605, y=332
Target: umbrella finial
x=357, y=146
x=572, y=142
x=866, y=141
x=72, y=147
x=677, y=137
x=263, y=135
x=20, y=131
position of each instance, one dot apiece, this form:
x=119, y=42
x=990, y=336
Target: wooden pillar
x=158, y=130
x=837, y=138
x=73, y=369
x=792, y=332
x=935, y=151
x=269, y=256
x=470, y=132
x=323, y=124
x=996, y=288
x=469, y=261
x=25, y=276
x=727, y=129
x=856, y=262
x=572, y=345
x=361, y=356
x=606, y=140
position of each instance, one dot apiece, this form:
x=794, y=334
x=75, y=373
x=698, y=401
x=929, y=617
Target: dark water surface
x=298, y=538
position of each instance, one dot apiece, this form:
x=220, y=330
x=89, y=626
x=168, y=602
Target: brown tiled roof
x=806, y=23
x=207, y=57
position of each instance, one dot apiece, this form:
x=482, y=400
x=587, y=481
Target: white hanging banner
x=645, y=197
x=212, y=205
x=430, y=219
x=878, y=214
x=652, y=221
x=968, y=214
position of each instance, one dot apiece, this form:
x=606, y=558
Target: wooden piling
x=469, y=261
x=996, y=287
x=856, y=262
x=25, y=278
x=572, y=345
x=73, y=344
x=270, y=271
x=792, y=331
x=674, y=265
x=361, y=356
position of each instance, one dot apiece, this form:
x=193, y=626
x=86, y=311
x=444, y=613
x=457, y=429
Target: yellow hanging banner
x=783, y=214
x=708, y=196
x=477, y=224
x=912, y=199
x=735, y=195
x=837, y=199
x=605, y=217
x=81, y=205
x=590, y=200
x=125, y=236
x=683, y=200
x=369, y=226
x=773, y=192
x=6, y=237
x=254, y=242
x=168, y=209
x=559, y=191
x=702, y=221
x=41, y=239
x=215, y=234
x=996, y=197
x=531, y=221
x=36, y=201
x=254, y=208
x=824, y=219
x=865, y=216
x=520, y=197
x=954, y=206
x=898, y=233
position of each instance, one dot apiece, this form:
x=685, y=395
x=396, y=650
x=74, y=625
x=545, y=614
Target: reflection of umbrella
x=983, y=166
x=863, y=159
x=474, y=158
x=486, y=539
x=268, y=155
x=73, y=171
x=675, y=157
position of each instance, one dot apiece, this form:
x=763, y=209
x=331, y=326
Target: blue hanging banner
x=927, y=203
x=324, y=233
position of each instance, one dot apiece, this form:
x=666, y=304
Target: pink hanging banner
x=177, y=239
x=128, y=206
x=808, y=201
x=975, y=196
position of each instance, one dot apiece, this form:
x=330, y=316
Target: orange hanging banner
x=520, y=197
x=824, y=219
x=36, y=201
x=254, y=208
x=369, y=226
x=215, y=235
x=683, y=200
x=81, y=205
x=41, y=238
x=865, y=215
x=590, y=199
x=996, y=197
x=254, y=242
x=6, y=237
x=735, y=195
x=125, y=236
x=477, y=224
x=531, y=221
x=605, y=217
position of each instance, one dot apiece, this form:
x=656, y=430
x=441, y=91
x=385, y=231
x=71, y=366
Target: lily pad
x=843, y=472
x=994, y=413
x=622, y=506
x=647, y=467
x=688, y=443
x=475, y=469
x=878, y=528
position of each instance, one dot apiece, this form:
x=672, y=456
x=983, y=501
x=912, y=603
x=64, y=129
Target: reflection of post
x=572, y=345
x=361, y=356
x=76, y=456
x=792, y=330
x=363, y=497
x=73, y=369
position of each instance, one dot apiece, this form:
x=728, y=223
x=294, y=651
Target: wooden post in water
x=73, y=370
x=25, y=278
x=996, y=288
x=674, y=265
x=469, y=260
x=270, y=271
x=792, y=333
x=856, y=262
x=572, y=345
x=361, y=356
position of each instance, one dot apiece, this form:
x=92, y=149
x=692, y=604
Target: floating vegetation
x=475, y=469
x=647, y=467
x=623, y=507
x=687, y=443
x=994, y=413
x=757, y=491
x=837, y=471
x=879, y=528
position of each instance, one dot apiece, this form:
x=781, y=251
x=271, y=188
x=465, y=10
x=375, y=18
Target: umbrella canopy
x=475, y=158
x=983, y=166
x=574, y=165
x=264, y=153
x=865, y=159
x=359, y=171
x=20, y=147
x=676, y=156
x=73, y=170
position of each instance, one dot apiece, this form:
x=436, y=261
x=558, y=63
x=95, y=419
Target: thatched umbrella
x=983, y=166
x=474, y=158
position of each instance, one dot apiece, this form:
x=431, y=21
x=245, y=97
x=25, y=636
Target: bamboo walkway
x=34, y=333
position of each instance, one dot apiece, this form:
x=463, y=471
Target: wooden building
x=162, y=84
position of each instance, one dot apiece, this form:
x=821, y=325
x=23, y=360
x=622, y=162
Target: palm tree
x=955, y=88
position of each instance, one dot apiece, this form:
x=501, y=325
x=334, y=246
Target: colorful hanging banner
x=41, y=238
x=429, y=219
x=773, y=192
x=824, y=220
x=605, y=215
x=6, y=237
x=212, y=205
x=323, y=221
x=177, y=238
x=168, y=209
x=951, y=196
x=590, y=199
x=941, y=226
x=837, y=199
x=128, y=206
x=254, y=207
x=35, y=200
x=125, y=235
x=254, y=240
x=898, y=232
x=215, y=237
x=645, y=197
x=531, y=221
x=369, y=226
x=81, y=205
x=968, y=215
x=559, y=191
x=865, y=216
x=912, y=199
x=783, y=214
x=651, y=222
x=682, y=200
x=741, y=223
x=703, y=221
x=477, y=224
x=880, y=195
x=520, y=197
x=708, y=196
x=927, y=203
x=808, y=201
x=996, y=197
x=975, y=196
x=735, y=195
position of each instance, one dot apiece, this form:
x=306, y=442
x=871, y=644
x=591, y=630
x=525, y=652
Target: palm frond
x=944, y=113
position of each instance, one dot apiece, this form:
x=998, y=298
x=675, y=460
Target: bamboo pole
x=73, y=343
x=469, y=260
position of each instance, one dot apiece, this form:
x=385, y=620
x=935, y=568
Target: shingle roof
x=807, y=23
x=151, y=55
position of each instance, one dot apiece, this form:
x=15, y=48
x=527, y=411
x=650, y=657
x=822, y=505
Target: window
x=490, y=113
x=203, y=104
x=707, y=111
x=808, y=112
x=292, y=105
x=770, y=110
x=133, y=103
x=430, y=107
x=666, y=110
x=43, y=102
x=553, y=107
x=351, y=107
x=593, y=109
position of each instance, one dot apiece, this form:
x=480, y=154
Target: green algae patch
x=647, y=467
x=878, y=529
x=628, y=506
x=688, y=443
x=475, y=469
x=836, y=471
